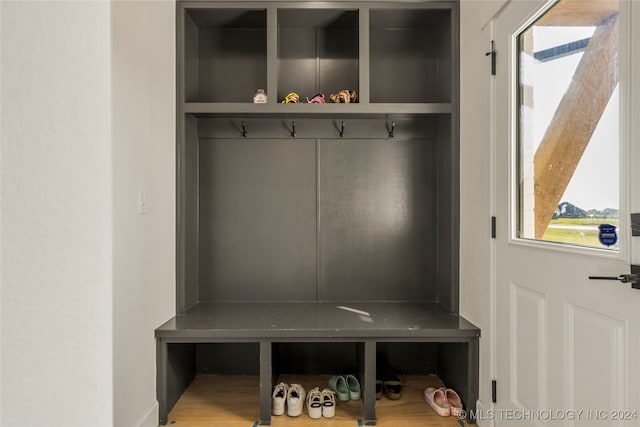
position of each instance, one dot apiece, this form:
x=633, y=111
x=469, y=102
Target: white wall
x=143, y=67
x=56, y=165
x=476, y=208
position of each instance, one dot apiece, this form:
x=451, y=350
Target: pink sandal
x=453, y=400
x=318, y=98
x=437, y=399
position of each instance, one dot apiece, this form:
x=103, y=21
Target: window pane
x=568, y=163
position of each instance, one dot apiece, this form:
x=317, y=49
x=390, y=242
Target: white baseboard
x=150, y=419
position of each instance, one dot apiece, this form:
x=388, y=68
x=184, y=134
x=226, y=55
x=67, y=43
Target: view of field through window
x=568, y=125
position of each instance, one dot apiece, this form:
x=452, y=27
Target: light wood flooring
x=232, y=401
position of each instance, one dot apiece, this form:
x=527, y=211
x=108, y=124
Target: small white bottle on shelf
x=260, y=97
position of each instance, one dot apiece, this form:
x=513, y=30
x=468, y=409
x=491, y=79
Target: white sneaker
x=278, y=399
x=314, y=403
x=295, y=400
x=328, y=403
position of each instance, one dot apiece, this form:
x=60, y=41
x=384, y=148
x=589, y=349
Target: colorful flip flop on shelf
x=318, y=98
x=292, y=98
x=344, y=97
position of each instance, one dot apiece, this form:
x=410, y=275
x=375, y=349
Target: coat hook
x=393, y=126
x=244, y=130
x=293, y=129
x=342, y=130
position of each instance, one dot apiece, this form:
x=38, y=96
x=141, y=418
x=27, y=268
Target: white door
x=567, y=347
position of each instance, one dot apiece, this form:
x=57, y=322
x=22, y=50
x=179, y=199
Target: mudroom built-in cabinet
x=317, y=238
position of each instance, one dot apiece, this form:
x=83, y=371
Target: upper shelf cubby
x=317, y=51
x=399, y=58
x=225, y=54
x=410, y=54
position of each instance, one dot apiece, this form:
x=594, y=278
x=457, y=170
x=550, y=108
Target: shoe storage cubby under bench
x=317, y=238
x=250, y=336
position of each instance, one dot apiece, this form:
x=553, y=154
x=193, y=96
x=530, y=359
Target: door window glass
x=568, y=125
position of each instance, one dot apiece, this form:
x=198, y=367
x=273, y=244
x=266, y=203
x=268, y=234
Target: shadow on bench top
x=318, y=320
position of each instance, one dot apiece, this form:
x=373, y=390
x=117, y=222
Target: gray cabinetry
x=288, y=213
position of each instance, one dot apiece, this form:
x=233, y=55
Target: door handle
x=624, y=278
x=633, y=277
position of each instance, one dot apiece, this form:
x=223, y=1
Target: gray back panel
x=338, y=69
x=400, y=73
x=225, y=54
x=257, y=220
x=378, y=220
x=312, y=61
x=228, y=359
x=189, y=212
x=314, y=358
x=317, y=51
x=449, y=219
x=410, y=56
x=190, y=58
x=297, y=63
x=233, y=64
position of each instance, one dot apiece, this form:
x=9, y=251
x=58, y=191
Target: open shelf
x=232, y=400
x=410, y=55
x=225, y=54
x=347, y=413
x=317, y=51
x=218, y=400
x=288, y=110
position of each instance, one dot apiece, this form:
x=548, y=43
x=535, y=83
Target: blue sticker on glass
x=608, y=235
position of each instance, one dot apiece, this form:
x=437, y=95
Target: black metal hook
x=342, y=130
x=393, y=126
x=293, y=129
x=244, y=129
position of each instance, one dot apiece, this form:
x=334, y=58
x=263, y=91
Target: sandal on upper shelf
x=342, y=97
